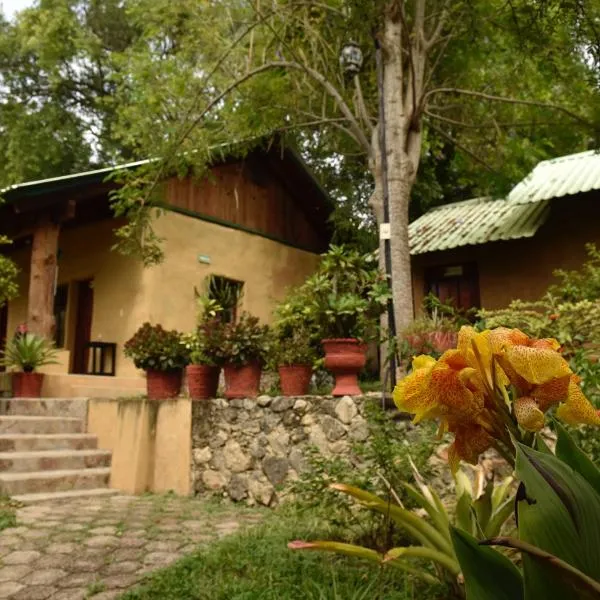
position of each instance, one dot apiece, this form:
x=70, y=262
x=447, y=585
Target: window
x=61, y=297
x=455, y=284
x=227, y=292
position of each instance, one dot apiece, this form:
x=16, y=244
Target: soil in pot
x=345, y=358
x=295, y=379
x=203, y=381
x=27, y=385
x=161, y=385
x=242, y=382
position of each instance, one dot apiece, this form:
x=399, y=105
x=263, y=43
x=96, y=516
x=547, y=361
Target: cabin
x=487, y=252
x=258, y=222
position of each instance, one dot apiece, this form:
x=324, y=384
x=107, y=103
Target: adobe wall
x=523, y=268
x=126, y=294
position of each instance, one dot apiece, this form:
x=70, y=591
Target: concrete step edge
x=93, y=471
x=42, y=497
x=59, y=453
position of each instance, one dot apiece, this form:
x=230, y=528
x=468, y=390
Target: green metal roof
x=474, y=222
x=558, y=177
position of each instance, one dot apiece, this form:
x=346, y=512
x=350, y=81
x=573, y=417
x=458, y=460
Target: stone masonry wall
x=248, y=449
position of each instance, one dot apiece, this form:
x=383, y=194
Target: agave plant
x=28, y=352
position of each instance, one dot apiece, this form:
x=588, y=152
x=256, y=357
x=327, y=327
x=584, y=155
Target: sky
x=10, y=7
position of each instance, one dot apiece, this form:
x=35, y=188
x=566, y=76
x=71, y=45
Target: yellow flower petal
x=577, y=410
x=536, y=365
x=412, y=394
x=552, y=392
x=469, y=442
x=450, y=392
x=423, y=361
x=528, y=415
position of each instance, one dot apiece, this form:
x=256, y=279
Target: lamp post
x=351, y=61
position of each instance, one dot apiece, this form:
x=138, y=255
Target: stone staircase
x=45, y=453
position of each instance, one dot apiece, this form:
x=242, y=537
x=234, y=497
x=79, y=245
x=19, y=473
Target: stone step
x=28, y=424
x=48, y=497
x=47, y=460
x=45, y=407
x=14, y=484
x=31, y=442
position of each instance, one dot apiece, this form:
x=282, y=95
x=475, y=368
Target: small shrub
x=244, y=342
x=153, y=347
x=28, y=352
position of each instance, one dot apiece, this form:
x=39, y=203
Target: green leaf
x=561, y=515
x=488, y=574
x=569, y=452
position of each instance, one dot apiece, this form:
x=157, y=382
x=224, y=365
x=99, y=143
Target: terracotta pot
x=242, y=382
x=27, y=385
x=203, y=381
x=294, y=379
x=162, y=385
x=345, y=358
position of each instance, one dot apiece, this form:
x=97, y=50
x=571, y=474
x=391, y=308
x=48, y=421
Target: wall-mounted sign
x=455, y=271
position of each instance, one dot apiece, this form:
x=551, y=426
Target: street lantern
x=351, y=58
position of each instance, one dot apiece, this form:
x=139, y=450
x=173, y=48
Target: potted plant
x=345, y=299
x=294, y=356
x=28, y=352
x=162, y=355
x=243, y=351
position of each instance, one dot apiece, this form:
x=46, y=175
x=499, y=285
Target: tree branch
x=485, y=125
x=464, y=149
x=362, y=107
x=507, y=100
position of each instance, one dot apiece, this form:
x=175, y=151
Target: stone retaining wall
x=248, y=449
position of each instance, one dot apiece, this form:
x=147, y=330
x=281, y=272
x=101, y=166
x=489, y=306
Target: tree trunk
x=40, y=317
x=400, y=170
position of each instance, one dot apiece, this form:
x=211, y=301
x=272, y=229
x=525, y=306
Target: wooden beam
x=40, y=313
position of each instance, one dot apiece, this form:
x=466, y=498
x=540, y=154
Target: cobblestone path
x=98, y=548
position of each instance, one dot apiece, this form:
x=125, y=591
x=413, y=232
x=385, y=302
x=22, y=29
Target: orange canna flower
x=467, y=390
x=577, y=409
x=528, y=414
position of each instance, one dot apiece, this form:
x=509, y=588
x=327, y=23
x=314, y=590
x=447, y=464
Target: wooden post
x=40, y=314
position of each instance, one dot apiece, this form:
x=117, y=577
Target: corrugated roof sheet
x=473, y=222
x=563, y=176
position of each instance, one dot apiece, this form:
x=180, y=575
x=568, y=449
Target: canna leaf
x=488, y=574
x=560, y=514
x=450, y=564
x=568, y=451
x=499, y=517
x=412, y=523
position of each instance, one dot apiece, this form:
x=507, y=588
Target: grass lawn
x=256, y=565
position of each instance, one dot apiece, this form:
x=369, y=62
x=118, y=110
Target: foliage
x=8, y=516
x=485, y=514
x=295, y=349
x=378, y=464
x=343, y=299
x=244, y=342
x=582, y=284
x=27, y=352
x=559, y=556
x=204, y=344
x=154, y=348
x=8, y=274
x=254, y=565
x=494, y=391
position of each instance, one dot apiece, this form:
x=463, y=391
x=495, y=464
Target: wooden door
x=454, y=284
x=83, y=325
x=3, y=328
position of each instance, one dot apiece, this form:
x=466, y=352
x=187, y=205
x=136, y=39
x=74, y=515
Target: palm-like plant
x=27, y=352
